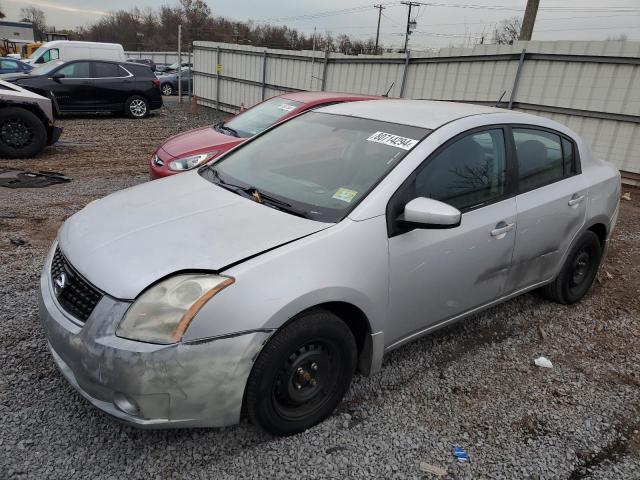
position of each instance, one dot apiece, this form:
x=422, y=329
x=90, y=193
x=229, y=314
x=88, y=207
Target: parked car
x=169, y=82
x=173, y=67
x=26, y=122
x=90, y=86
x=11, y=65
x=190, y=149
x=144, y=61
x=262, y=280
x=66, y=50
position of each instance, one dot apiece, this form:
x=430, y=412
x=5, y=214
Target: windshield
x=36, y=53
x=317, y=165
x=262, y=116
x=46, y=68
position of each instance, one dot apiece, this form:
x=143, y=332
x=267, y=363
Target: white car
x=266, y=277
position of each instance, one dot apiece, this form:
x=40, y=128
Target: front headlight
x=192, y=161
x=163, y=313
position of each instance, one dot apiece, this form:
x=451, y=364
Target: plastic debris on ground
x=434, y=469
x=626, y=196
x=40, y=179
x=543, y=362
x=460, y=454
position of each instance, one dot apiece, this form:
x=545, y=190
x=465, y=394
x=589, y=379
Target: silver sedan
x=268, y=277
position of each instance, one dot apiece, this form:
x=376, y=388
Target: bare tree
x=623, y=37
x=507, y=31
x=35, y=16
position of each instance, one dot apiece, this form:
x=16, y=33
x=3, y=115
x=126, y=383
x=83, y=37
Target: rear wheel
x=302, y=374
x=136, y=106
x=167, y=89
x=578, y=271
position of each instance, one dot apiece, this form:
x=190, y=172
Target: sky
x=440, y=23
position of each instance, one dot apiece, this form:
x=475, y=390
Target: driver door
x=438, y=274
x=74, y=92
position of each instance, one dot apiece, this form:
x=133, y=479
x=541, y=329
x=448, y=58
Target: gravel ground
x=472, y=384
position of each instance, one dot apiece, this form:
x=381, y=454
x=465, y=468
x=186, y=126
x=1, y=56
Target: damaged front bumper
x=198, y=384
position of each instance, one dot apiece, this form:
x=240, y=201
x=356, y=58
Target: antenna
x=500, y=99
x=393, y=83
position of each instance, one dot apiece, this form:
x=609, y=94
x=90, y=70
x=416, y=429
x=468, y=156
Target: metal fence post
x=516, y=80
x=324, y=70
x=404, y=73
x=264, y=73
x=217, y=78
x=190, y=82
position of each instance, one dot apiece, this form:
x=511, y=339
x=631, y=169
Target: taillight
x=156, y=82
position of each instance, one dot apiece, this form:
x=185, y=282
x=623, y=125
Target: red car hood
x=199, y=140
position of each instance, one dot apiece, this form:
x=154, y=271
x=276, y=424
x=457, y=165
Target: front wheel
x=22, y=133
x=578, y=272
x=302, y=374
x=136, y=106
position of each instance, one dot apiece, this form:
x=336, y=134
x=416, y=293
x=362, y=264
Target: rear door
x=112, y=85
x=551, y=203
x=74, y=92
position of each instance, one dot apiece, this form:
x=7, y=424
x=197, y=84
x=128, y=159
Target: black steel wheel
x=578, y=272
x=22, y=133
x=301, y=374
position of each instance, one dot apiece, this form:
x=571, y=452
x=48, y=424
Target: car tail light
x=156, y=82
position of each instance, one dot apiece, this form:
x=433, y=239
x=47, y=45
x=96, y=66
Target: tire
x=167, y=89
x=302, y=374
x=22, y=133
x=136, y=106
x=578, y=272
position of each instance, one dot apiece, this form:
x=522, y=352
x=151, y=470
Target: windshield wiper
x=222, y=126
x=258, y=196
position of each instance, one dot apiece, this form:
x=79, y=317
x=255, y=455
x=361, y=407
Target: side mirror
x=424, y=212
x=57, y=76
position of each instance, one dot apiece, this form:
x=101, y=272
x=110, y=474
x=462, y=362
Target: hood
x=198, y=141
x=12, y=77
x=132, y=238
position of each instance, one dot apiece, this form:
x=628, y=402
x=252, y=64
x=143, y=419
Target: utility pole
x=380, y=8
x=409, y=23
x=529, y=19
x=180, y=63
x=313, y=57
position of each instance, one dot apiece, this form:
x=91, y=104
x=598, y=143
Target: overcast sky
x=439, y=24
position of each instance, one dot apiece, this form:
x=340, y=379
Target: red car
x=188, y=150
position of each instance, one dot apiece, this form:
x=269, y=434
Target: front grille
x=74, y=293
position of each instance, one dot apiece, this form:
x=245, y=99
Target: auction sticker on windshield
x=287, y=108
x=393, y=140
x=345, y=194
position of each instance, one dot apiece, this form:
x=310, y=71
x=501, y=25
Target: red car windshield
x=262, y=116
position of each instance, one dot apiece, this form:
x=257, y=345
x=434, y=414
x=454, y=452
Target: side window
x=106, y=70
x=569, y=157
x=51, y=54
x=469, y=172
x=540, y=158
x=8, y=65
x=75, y=70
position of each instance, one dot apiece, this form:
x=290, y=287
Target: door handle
x=502, y=228
x=575, y=200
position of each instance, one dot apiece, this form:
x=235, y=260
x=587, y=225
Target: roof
x=306, y=97
x=418, y=113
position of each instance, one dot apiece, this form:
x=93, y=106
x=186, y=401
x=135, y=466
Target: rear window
x=540, y=158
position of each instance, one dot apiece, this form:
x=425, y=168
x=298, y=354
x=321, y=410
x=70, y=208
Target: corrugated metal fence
x=592, y=87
